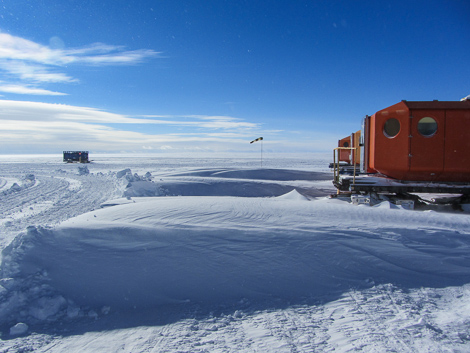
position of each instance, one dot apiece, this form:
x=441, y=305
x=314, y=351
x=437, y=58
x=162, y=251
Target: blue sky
x=210, y=76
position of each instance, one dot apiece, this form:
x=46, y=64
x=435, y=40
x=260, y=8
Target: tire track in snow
x=393, y=341
x=384, y=316
x=53, y=199
x=44, y=189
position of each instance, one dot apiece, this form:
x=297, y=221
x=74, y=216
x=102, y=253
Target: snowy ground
x=220, y=255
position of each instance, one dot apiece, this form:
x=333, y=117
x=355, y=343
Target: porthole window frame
x=389, y=131
x=420, y=131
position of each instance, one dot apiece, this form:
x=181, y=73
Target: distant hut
x=76, y=156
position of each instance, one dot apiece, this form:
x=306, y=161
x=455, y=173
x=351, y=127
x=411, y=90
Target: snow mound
x=220, y=250
x=123, y=172
x=83, y=170
x=16, y=185
x=143, y=189
x=127, y=175
x=217, y=182
x=259, y=174
x=19, y=329
x=204, y=188
x=293, y=195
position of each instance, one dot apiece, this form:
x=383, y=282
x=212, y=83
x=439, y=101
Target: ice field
x=152, y=254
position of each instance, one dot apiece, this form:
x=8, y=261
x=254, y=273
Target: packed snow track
x=51, y=197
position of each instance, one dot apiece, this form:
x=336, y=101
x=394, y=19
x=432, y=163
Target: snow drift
x=227, y=182
x=216, y=250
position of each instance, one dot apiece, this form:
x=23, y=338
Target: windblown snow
x=219, y=255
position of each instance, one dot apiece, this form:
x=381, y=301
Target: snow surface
x=219, y=255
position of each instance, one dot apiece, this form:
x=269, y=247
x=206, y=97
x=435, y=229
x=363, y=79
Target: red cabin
x=350, y=156
x=420, y=141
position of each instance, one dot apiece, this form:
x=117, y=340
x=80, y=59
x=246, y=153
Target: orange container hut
x=350, y=156
x=420, y=141
x=345, y=155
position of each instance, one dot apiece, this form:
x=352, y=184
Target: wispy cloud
x=52, y=127
x=35, y=111
x=19, y=89
x=28, y=63
x=33, y=73
x=33, y=127
x=202, y=121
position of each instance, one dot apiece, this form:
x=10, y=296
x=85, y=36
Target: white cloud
x=49, y=128
x=42, y=112
x=128, y=57
x=16, y=48
x=202, y=121
x=33, y=127
x=19, y=89
x=34, y=73
x=30, y=62
x=35, y=111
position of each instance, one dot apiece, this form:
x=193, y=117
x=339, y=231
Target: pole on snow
x=260, y=139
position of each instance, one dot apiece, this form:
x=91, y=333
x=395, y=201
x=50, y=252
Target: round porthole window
x=427, y=126
x=391, y=127
x=346, y=144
